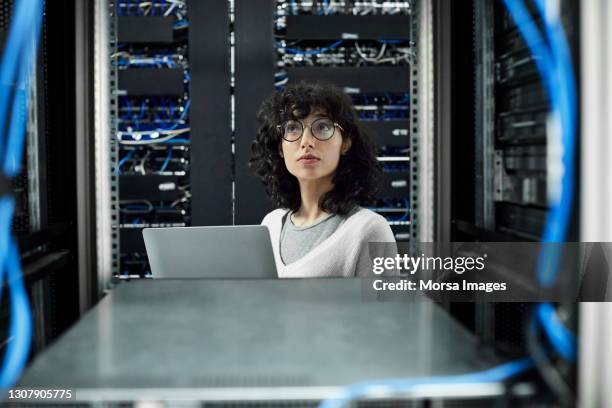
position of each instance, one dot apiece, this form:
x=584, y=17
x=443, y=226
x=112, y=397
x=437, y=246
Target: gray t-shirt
x=295, y=242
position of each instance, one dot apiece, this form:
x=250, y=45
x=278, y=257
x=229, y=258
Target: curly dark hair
x=357, y=177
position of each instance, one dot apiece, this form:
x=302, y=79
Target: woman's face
x=309, y=158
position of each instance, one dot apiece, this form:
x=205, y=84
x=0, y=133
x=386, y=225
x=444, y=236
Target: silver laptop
x=210, y=252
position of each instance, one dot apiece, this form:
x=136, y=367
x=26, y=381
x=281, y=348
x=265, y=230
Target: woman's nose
x=307, y=138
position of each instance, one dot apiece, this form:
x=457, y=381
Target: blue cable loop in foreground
x=20, y=326
x=15, y=141
x=393, y=387
x=18, y=61
x=559, y=336
x=567, y=104
x=557, y=74
x=6, y=212
x=10, y=63
x=556, y=69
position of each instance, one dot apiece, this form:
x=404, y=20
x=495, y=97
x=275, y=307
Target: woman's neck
x=310, y=194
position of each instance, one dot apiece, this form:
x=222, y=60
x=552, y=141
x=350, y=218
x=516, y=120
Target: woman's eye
x=323, y=127
x=292, y=128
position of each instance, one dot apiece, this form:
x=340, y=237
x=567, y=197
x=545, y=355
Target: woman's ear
x=346, y=145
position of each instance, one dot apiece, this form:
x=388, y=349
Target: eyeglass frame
x=280, y=129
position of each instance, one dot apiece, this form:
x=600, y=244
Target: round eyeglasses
x=323, y=129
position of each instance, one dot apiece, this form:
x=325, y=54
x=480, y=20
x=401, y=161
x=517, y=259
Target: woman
x=319, y=167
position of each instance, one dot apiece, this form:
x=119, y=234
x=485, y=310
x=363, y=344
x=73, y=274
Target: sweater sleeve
x=377, y=241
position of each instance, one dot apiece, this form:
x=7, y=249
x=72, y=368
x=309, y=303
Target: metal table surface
x=248, y=338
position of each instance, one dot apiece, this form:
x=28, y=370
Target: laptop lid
x=210, y=252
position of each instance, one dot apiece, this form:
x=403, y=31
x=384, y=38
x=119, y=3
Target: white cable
x=169, y=10
x=183, y=199
x=283, y=82
x=365, y=58
x=141, y=166
x=179, y=3
x=121, y=54
x=169, y=135
x=146, y=4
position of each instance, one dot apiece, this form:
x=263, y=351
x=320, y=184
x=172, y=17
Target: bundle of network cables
x=343, y=7
x=164, y=8
x=153, y=119
x=16, y=72
x=363, y=53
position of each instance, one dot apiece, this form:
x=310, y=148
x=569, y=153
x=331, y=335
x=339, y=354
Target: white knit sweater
x=344, y=253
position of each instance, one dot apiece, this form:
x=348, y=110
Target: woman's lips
x=308, y=159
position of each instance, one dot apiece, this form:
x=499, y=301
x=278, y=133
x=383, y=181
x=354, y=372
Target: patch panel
x=346, y=7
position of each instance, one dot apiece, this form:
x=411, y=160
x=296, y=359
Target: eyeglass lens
x=322, y=129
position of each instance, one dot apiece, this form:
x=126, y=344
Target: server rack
x=169, y=166
x=507, y=157
x=500, y=174
x=151, y=136
x=369, y=49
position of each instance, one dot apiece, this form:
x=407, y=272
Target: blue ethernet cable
x=20, y=326
x=325, y=10
x=176, y=140
x=128, y=106
x=172, y=110
x=6, y=211
x=562, y=100
x=553, y=64
x=10, y=63
x=395, y=386
x=384, y=41
x=126, y=158
x=567, y=104
x=143, y=109
x=181, y=24
x=14, y=148
x=166, y=161
x=563, y=341
x=180, y=119
x=17, y=61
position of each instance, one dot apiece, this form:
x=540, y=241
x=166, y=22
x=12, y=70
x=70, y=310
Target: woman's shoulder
x=371, y=224
x=361, y=214
x=274, y=215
